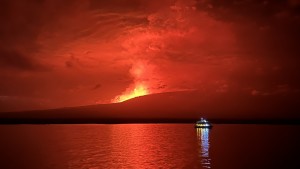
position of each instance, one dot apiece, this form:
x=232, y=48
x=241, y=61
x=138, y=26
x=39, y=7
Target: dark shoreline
x=14, y=121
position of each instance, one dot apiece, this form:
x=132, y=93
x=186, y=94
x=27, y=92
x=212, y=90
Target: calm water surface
x=149, y=146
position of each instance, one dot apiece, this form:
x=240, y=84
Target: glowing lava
x=139, y=90
x=140, y=86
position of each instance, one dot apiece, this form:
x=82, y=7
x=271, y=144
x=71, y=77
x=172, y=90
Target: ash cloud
x=68, y=46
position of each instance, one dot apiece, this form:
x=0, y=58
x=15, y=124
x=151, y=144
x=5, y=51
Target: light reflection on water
x=98, y=146
x=203, y=137
x=148, y=146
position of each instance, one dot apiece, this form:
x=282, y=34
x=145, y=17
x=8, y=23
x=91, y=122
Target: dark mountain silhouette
x=172, y=107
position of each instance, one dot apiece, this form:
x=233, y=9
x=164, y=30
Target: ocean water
x=98, y=146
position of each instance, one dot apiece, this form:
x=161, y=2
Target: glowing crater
x=139, y=90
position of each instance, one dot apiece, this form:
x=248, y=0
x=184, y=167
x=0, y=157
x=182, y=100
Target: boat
x=202, y=123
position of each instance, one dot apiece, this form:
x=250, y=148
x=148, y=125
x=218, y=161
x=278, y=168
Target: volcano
x=179, y=107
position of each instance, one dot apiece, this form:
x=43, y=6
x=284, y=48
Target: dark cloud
x=22, y=22
x=266, y=27
x=97, y=86
x=15, y=60
x=247, y=46
x=116, y=5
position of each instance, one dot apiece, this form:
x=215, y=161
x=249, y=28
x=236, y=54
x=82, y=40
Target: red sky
x=57, y=53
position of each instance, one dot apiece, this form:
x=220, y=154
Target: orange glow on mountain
x=139, y=90
x=140, y=85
